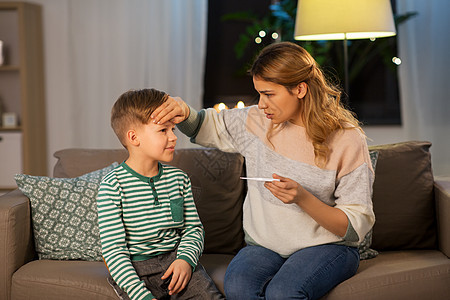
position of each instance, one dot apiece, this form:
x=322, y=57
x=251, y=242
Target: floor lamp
x=343, y=20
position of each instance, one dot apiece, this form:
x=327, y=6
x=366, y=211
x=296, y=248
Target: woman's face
x=278, y=104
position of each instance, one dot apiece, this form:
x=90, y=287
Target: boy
x=150, y=231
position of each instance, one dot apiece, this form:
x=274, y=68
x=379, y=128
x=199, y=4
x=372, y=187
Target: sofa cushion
x=218, y=191
x=365, y=252
x=51, y=279
x=220, y=196
x=75, y=162
x=216, y=266
x=64, y=214
x=403, y=197
x=412, y=274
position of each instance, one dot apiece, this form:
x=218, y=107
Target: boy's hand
x=174, y=109
x=181, y=274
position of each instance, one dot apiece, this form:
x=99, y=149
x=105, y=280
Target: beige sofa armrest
x=16, y=238
x=442, y=195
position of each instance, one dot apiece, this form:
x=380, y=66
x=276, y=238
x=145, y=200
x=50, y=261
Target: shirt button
x=151, y=179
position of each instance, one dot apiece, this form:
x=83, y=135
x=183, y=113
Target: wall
x=384, y=134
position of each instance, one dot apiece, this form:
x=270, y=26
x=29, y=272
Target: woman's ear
x=132, y=137
x=302, y=88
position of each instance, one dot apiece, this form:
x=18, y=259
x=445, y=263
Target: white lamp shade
x=340, y=19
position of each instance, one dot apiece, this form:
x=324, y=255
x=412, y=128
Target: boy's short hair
x=134, y=108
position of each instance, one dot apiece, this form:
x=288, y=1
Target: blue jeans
x=259, y=273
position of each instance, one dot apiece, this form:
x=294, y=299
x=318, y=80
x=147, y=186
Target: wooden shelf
x=9, y=68
x=9, y=129
x=22, y=90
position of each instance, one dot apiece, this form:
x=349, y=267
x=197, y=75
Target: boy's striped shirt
x=142, y=217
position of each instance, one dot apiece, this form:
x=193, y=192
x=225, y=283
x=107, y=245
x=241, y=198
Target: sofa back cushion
x=403, y=199
x=77, y=161
x=218, y=191
x=219, y=195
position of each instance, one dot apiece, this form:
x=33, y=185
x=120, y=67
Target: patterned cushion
x=365, y=252
x=64, y=214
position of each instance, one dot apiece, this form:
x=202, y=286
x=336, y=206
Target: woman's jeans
x=259, y=273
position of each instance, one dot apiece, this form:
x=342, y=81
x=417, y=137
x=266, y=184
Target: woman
x=302, y=231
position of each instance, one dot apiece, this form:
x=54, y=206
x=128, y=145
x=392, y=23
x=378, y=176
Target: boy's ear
x=132, y=137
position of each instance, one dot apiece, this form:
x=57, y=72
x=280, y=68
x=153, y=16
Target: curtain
x=117, y=45
x=424, y=42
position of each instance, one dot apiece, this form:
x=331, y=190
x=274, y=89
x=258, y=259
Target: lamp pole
x=346, y=79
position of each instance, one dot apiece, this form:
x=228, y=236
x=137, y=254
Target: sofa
x=411, y=234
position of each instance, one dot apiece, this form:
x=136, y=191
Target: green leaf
x=240, y=16
x=399, y=19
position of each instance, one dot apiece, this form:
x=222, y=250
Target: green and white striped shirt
x=141, y=217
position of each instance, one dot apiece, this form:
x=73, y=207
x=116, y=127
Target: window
x=373, y=85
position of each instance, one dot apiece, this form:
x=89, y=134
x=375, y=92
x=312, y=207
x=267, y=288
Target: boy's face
x=157, y=141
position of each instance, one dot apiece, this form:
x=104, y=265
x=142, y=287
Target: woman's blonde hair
x=289, y=64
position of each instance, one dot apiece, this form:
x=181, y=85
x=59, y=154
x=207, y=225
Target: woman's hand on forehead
x=174, y=110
